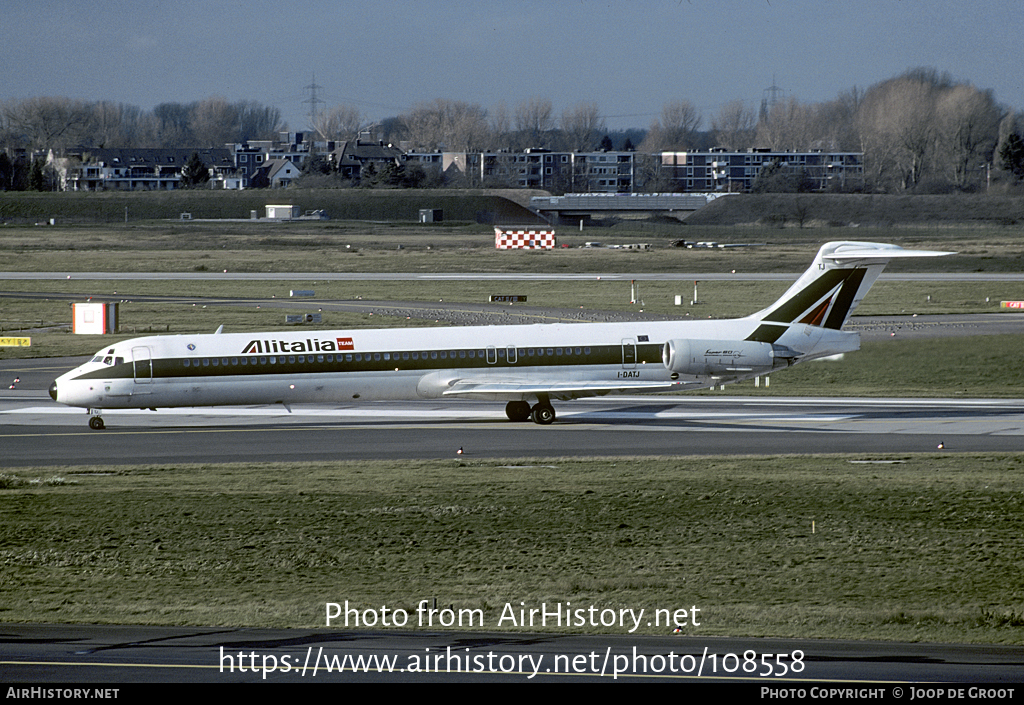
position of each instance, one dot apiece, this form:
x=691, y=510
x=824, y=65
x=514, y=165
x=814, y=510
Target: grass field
x=917, y=547
x=372, y=246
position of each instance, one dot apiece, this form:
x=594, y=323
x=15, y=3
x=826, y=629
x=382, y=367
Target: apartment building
x=579, y=172
x=733, y=172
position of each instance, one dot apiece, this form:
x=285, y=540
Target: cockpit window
x=108, y=359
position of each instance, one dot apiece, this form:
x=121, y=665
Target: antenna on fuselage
x=220, y=329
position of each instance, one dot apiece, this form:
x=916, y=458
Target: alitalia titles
x=308, y=345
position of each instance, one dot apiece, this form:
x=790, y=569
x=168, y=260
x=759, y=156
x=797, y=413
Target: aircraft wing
x=563, y=389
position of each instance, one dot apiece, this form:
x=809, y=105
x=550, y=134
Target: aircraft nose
x=53, y=390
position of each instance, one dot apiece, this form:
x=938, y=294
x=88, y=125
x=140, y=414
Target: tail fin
x=840, y=276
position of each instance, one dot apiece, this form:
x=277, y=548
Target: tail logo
x=825, y=302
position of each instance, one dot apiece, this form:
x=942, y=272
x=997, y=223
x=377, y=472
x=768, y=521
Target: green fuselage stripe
x=378, y=361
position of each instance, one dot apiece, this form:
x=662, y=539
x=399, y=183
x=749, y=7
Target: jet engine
x=723, y=357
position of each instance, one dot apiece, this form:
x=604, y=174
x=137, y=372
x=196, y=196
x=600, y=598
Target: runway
x=483, y=276
x=35, y=431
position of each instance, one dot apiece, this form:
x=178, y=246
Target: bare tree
x=968, y=127
x=837, y=121
x=119, y=125
x=898, y=131
x=582, y=126
x=257, y=121
x=215, y=122
x=677, y=129
x=790, y=125
x=923, y=126
x=501, y=125
x=447, y=124
x=341, y=122
x=733, y=126
x=174, y=124
x=534, y=119
x=49, y=122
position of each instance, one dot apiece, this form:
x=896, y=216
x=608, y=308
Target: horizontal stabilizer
x=853, y=251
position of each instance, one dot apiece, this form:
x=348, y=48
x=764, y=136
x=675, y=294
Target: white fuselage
x=555, y=361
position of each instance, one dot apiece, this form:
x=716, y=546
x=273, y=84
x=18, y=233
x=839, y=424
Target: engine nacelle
x=720, y=357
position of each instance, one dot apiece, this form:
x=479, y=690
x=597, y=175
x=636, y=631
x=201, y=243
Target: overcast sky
x=384, y=56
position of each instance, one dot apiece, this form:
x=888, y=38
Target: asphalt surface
x=136, y=654
x=35, y=431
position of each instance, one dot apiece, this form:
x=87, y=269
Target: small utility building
x=283, y=212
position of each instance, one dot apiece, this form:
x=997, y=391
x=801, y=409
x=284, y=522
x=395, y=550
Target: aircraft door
x=628, y=353
x=511, y=355
x=142, y=361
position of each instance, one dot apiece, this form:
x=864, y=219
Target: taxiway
x=35, y=431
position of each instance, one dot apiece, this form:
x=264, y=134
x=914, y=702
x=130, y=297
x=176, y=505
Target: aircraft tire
x=518, y=411
x=543, y=414
x=96, y=423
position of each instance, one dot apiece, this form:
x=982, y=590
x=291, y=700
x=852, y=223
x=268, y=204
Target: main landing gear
x=95, y=420
x=542, y=412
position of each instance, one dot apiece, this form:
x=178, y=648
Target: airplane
x=526, y=366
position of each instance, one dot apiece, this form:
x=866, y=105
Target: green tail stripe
x=844, y=300
x=767, y=333
x=795, y=307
